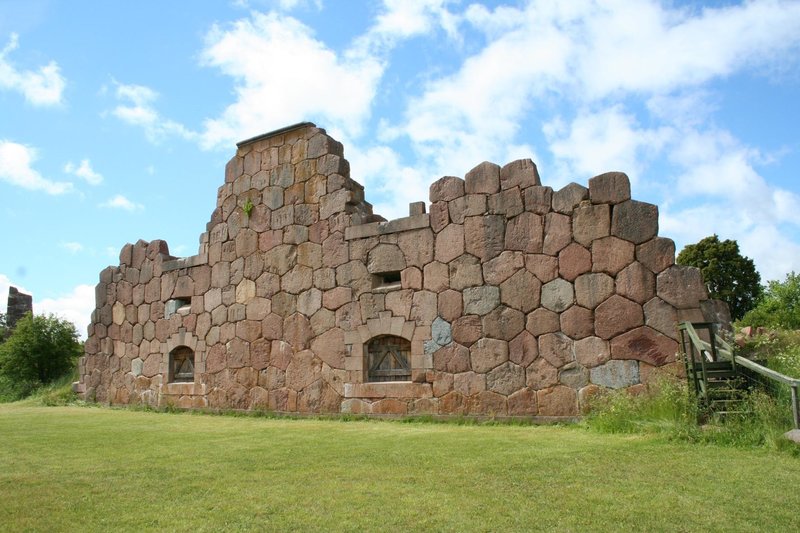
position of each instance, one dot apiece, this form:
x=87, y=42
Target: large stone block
x=609, y=188
x=508, y=203
x=523, y=403
x=521, y=173
x=525, y=233
x=592, y=351
x=634, y=221
x=467, y=329
x=469, y=205
x=386, y=258
x=617, y=315
x=644, y=344
x=557, y=349
x=487, y=354
x=544, y=267
x=538, y=199
x=465, y=271
x=503, y=323
x=569, y=197
x=636, y=283
x=449, y=243
x=451, y=305
x=469, y=383
x=541, y=374
x=681, y=286
x=573, y=261
x=484, y=235
x=662, y=317
x=656, y=254
x=558, y=401
x=506, y=379
x=521, y=291
x=483, y=179
x=446, y=189
x=610, y=255
x=542, y=321
x=577, y=322
x=499, y=269
x=558, y=295
x=593, y=289
x=523, y=349
x=616, y=374
x=436, y=277
x=591, y=222
x=481, y=300
x=452, y=358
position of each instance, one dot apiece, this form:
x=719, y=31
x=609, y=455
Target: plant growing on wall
x=247, y=207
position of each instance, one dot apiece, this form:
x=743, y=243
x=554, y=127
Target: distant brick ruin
x=502, y=298
x=19, y=304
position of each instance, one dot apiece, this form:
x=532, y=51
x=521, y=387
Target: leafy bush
x=779, y=307
x=40, y=350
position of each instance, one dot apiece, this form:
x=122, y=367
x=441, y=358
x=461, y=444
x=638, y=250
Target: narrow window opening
x=386, y=280
x=180, y=306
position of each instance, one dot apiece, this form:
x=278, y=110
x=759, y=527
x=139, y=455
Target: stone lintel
x=383, y=228
x=184, y=262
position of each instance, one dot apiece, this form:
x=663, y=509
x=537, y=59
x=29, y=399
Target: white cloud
x=137, y=109
x=16, y=162
x=84, y=170
x=72, y=247
x=120, y=202
x=284, y=75
x=42, y=87
x=77, y=307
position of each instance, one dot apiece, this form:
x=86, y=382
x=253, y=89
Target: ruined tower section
x=500, y=298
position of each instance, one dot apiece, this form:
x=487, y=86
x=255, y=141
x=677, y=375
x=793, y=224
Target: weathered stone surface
x=329, y=347
x=592, y=289
x=569, y=197
x=452, y=358
x=617, y=315
x=465, y=271
x=616, y=374
x=483, y=179
x=557, y=295
x=469, y=205
x=417, y=246
x=451, y=305
x=541, y=374
x=523, y=403
x=503, y=323
x=681, y=286
x=523, y=349
x=506, y=378
x=469, y=383
x=558, y=401
x=399, y=302
x=386, y=258
x=574, y=375
x=423, y=307
x=573, y=261
x=644, y=344
x=610, y=255
x=521, y=291
x=449, y=243
x=507, y=202
x=662, y=317
x=521, y=173
x=486, y=354
x=525, y=233
x=656, y=254
x=592, y=351
x=557, y=233
x=557, y=349
x=467, y=329
x=538, y=199
x=634, y=221
x=481, y=300
x=436, y=277
x=636, y=283
x=542, y=321
x=544, y=267
x=439, y=216
x=591, y=222
x=577, y=322
x=609, y=188
x=499, y=269
x=446, y=189
x=484, y=236
x=441, y=332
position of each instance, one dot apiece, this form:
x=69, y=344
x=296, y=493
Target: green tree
x=40, y=350
x=779, y=307
x=729, y=276
x=3, y=327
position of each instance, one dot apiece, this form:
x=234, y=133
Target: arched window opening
x=388, y=359
x=181, y=365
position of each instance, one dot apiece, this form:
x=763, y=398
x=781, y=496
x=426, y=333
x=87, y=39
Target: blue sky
x=117, y=118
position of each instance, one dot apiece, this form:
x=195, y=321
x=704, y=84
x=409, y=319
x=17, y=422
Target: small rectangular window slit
x=386, y=281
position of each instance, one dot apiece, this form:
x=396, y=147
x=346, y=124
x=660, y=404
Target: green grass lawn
x=95, y=469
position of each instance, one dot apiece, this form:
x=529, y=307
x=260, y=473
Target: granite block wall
x=505, y=297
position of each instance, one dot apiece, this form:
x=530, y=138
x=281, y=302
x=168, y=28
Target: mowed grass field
x=97, y=469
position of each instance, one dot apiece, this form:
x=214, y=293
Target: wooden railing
x=697, y=351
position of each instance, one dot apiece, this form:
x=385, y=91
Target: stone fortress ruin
x=501, y=297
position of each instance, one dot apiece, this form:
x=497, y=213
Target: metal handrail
x=727, y=353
